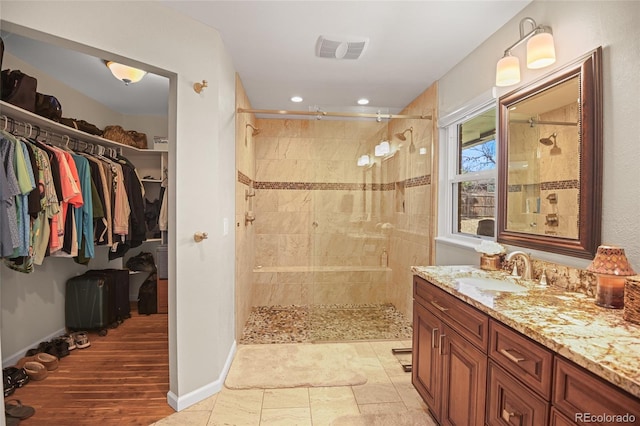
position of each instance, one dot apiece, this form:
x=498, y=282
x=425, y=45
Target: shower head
x=254, y=130
x=548, y=141
x=402, y=136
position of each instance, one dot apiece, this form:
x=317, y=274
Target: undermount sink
x=491, y=284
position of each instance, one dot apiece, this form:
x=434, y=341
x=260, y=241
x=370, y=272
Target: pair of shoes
x=49, y=361
x=36, y=370
x=82, y=339
x=14, y=411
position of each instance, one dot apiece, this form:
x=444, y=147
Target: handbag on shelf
x=48, y=106
x=19, y=89
x=81, y=125
x=126, y=137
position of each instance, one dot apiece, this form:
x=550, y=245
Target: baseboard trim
x=179, y=403
x=13, y=359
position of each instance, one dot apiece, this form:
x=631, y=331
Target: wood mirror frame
x=589, y=71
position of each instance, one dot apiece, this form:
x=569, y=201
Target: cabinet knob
x=199, y=236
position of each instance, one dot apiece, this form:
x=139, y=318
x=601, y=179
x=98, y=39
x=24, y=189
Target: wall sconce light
x=125, y=73
x=382, y=149
x=363, y=160
x=610, y=267
x=540, y=53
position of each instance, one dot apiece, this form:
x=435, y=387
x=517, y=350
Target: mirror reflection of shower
x=548, y=142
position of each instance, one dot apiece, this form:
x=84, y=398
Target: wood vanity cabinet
x=449, y=356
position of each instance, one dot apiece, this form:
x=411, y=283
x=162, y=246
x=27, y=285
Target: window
x=470, y=155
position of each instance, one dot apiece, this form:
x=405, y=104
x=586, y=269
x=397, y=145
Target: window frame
x=448, y=162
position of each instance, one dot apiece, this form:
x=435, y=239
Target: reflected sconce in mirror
x=125, y=73
x=540, y=53
x=610, y=266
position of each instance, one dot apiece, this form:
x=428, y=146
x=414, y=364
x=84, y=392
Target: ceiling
x=272, y=45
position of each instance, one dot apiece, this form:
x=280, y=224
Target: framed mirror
x=550, y=161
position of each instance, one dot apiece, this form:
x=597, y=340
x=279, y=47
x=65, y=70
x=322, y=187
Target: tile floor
x=388, y=389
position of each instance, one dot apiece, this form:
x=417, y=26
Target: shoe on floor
x=36, y=371
x=14, y=408
x=71, y=343
x=17, y=376
x=82, y=340
x=48, y=360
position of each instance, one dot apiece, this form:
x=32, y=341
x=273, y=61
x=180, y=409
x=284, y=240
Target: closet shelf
x=45, y=124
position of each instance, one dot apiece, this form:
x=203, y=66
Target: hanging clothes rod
x=334, y=114
x=28, y=130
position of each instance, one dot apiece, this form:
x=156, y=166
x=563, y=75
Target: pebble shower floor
x=325, y=323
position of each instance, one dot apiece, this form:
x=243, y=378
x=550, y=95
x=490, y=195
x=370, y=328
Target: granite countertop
x=568, y=323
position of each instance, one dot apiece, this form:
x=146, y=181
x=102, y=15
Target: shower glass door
x=350, y=233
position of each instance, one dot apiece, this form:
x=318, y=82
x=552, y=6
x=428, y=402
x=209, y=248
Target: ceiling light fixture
x=363, y=101
x=540, y=53
x=125, y=73
x=296, y=99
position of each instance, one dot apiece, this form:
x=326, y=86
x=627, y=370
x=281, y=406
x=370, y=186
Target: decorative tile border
x=549, y=186
x=333, y=186
x=560, y=184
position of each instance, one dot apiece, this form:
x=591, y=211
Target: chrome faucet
x=527, y=272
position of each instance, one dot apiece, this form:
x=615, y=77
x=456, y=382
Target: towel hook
x=199, y=87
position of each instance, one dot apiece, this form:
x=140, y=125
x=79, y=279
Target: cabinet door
x=425, y=368
x=511, y=402
x=464, y=370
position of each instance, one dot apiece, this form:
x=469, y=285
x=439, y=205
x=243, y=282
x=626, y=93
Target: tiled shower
x=328, y=233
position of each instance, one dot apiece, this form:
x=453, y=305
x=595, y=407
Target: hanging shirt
x=26, y=182
x=7, y=149
x=84, y=212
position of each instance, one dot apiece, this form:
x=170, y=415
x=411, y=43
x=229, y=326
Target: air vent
x=341, y=47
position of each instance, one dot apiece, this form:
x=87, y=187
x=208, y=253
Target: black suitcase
x=120, y=279
x=90, y=303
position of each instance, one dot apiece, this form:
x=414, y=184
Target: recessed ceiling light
x=296, y=99
x=363, y=101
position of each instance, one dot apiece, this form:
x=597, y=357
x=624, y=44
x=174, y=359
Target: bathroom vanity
x=525, y=354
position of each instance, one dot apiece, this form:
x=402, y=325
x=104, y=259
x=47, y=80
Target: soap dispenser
x=384, y=258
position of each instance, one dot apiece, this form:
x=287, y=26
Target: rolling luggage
x=90, y=303
x=120, y=280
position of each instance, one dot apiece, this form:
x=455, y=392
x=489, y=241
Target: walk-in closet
x=126, y=187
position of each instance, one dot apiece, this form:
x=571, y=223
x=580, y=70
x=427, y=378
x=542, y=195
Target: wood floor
x=122, y=379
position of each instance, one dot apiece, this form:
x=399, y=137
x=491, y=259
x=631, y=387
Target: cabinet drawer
x=578, y=393
x=463, y=318
x=510, y=402
x=559, y=419
x=528, y=361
